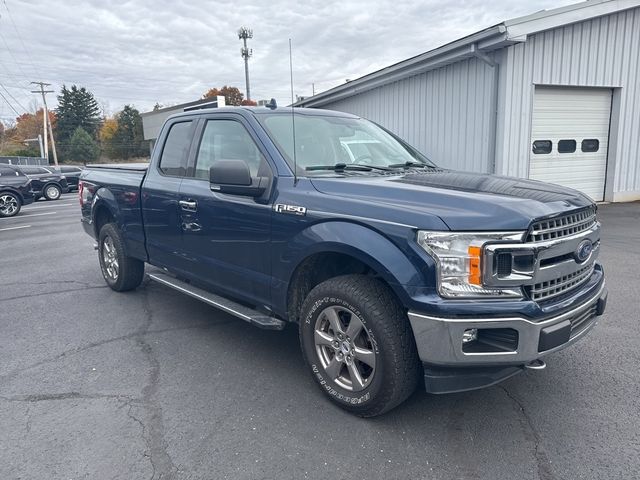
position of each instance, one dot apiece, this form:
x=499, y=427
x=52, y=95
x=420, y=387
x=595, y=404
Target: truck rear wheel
x=358, y=344
x=121, y=273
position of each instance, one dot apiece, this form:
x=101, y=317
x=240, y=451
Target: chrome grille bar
x=552, y=288
x=566, y=225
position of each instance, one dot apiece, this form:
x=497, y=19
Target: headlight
x=459, y=262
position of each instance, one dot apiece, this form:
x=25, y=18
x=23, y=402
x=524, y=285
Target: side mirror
x=233, y=177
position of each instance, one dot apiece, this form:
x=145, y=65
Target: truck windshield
x=332, y=143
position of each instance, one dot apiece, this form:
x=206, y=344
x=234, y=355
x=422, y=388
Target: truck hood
x=463, y=201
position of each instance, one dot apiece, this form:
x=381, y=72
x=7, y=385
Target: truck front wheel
x=358, y=344
x=121, y=273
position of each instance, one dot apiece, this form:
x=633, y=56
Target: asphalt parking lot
x=154, y=384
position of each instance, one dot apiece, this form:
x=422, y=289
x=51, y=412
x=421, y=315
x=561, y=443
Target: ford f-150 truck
x=395, y=271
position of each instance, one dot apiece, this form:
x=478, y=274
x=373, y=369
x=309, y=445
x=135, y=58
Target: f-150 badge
x=290, y=209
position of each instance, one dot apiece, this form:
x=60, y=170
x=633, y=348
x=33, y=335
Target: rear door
x=160, y=195
x=227, y=237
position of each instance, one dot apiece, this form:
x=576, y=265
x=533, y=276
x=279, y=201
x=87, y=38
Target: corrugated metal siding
x=446, y=113
x=602, y=52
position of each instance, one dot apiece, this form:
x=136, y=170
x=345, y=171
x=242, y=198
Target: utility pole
x=45, y=122
x=243, y=34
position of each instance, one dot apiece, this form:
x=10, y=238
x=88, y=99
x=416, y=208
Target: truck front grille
x=557, y=286
x=564, y=226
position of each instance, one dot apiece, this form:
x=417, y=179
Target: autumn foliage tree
x=232, y=95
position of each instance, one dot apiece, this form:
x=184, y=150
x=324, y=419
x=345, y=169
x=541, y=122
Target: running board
x=245, y=313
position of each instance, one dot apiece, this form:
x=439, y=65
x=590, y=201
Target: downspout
x=493, y=125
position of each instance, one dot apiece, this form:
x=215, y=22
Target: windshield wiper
x=340, y=167
x=410, y=164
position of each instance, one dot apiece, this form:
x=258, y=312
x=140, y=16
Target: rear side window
x=542, y=146
x=69, y=169
x=566, y=146
x=31, y=170
x=176, y=149
x=8, y=172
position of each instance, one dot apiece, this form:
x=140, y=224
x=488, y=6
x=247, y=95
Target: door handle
x=188, y=205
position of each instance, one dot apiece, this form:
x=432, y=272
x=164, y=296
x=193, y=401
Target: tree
x=29, y=125
x=77, y=108
x=248, y=103
x=81, y=147
x=128, y=140
x=232, y=95
x=107, y=135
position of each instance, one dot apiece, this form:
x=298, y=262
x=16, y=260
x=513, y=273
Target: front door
x=227, y=237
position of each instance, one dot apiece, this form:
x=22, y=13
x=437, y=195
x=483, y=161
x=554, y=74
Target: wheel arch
x=375, y=255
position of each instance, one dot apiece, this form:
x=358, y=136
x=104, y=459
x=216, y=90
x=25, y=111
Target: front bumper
x=449, y=367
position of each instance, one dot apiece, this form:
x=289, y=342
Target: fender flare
x=373, y=248
x=103, y=198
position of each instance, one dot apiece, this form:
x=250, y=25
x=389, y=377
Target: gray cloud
x=142, y=52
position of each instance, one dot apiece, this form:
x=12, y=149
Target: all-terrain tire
x=386, y=330
x=122, y=273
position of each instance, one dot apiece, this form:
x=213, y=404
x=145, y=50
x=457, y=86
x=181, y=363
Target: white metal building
x=553, y=96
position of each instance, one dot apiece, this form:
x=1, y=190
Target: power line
x=11, y=53
x=10, y=106
x=27, y=51
x=14, y=98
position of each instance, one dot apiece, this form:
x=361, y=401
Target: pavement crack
x=542, y=460
x=34, y=295
x=46, y=397
x=153, y=428
x=77, y=350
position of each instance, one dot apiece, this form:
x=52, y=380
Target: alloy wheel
x=345, y=348
x=8, y=205
x=53, y=192
x=110, y=259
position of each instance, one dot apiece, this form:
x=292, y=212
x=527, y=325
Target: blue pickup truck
x=395, y=271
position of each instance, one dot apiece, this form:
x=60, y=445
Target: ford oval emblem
x=583, y=252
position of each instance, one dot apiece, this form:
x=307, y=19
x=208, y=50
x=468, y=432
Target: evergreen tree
x=81, y=147
x=128, y=140
x=77, y=108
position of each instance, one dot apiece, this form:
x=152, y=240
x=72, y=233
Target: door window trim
x=199, y=135
x=194, y=122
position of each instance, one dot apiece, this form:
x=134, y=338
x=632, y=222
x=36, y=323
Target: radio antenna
x=293, y=121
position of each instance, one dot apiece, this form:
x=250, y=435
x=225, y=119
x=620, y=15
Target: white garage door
x=570, y=137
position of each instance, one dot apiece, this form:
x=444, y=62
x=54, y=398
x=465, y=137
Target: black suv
x=15, y=190
x=45, y=183
x=71, y=172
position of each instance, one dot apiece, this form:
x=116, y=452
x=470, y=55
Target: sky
x=170, y=52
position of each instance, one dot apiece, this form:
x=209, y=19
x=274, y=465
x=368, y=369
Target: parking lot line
x=14, y=228
x=35, y=214
x=32, y=206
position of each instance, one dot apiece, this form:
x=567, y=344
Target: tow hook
x=536, y=365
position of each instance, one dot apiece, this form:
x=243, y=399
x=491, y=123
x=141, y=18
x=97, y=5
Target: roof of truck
x=267, y=111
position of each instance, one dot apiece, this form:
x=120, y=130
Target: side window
x=566, y=146
x=542, y=146
x=590, y=145
x=228, y=140
x=173, y=160
x=6, y=172
x=29, y=171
